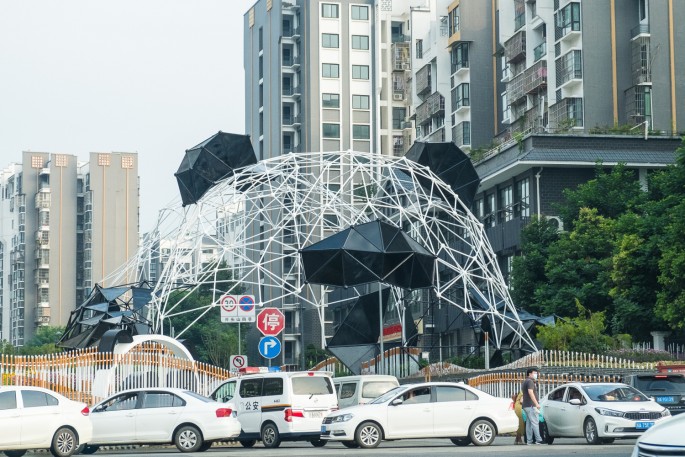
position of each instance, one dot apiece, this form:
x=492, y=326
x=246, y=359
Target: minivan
x=359, y=390
x=279, y=406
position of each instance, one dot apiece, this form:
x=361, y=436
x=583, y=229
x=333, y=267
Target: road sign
x=237, y=362
x=269, y=347
x=270, y=321
x=237, y=308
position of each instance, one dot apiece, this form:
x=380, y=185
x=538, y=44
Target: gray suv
x=667, y=389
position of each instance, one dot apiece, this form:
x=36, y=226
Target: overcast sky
x=148, y=76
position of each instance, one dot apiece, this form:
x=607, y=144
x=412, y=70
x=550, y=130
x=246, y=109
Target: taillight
x=85, y=411
x=511, y=406
x=290, y=413
x=224, y=412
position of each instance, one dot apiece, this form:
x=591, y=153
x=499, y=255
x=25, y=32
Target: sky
x=154, y=77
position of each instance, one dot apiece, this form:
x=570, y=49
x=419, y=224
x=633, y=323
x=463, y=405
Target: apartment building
x=65, y=225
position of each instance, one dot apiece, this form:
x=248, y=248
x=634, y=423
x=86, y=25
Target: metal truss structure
x=261, y=216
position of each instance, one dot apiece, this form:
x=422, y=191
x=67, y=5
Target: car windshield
x=613, y=393
x=374, y=389
x=388, y=395
x=661, y=383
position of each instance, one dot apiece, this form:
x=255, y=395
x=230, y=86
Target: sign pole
x=239, y=352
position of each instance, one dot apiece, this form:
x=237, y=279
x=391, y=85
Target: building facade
x=65, y=226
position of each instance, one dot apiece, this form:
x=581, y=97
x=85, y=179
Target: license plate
x=315, y=414
x=643, y=425
x=665, y=399
x=323, y=429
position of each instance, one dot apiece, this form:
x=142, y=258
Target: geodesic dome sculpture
x=261, y=215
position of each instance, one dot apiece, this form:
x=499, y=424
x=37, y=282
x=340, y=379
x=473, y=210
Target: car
x=37, y=418
x=279, y=406
x=359, y=390
x=600, y=412
x=161, y=416
x=667, y=389
x=665, y=438
x=455, y=411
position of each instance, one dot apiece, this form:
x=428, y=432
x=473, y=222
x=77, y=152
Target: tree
x=584, y=333
x=43, y=342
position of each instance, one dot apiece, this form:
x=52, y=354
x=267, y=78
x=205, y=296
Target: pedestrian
x=518, y=408
x=531, y=405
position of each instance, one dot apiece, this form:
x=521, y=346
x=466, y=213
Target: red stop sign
x=270, y=321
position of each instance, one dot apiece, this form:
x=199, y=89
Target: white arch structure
x=263, y=214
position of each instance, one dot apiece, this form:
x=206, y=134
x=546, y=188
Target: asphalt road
x=501, y=446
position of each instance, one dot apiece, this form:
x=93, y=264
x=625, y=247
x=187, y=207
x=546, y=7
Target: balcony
x=291, y=32
x=291, y=91
x=291, y=62
x=434, y=105
x=292, y=120
x=401, y=59
x=461, y=134
x=566, y=114
x=640, y=30
x=569, y=68
x=515, y=47
x=532, y=79
x=641, y=60
x=423, y=80
x=43, y=200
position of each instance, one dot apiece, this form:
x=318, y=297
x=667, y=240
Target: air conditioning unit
x=406, y=66
x=557, y=222
x=398, y=97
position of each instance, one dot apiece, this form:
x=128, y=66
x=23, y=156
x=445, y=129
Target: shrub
x=641, y=355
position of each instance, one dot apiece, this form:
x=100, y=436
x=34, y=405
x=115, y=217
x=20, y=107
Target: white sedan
x=600, y=412
x=36, y=418
x=428, y=410
x=666, y=438
x=161, y=415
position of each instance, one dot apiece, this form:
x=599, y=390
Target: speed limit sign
x=237, y=362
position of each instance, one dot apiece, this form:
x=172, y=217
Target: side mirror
x=575, y=402
x=397, y=401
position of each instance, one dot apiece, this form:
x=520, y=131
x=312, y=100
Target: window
x=574, y=394
x=360, y=13
x=490, y=222
x=330, y=40
x=162, y=400
x=414, y=396
x=505, y=201
x=261, y=38
x=330, y=70
x=121, y=403
x=360, y=42
x=273, y=386
x=360, y=72
x=8, y=400
x=34, y=399
x=557, y=395
x=224, y=393
x=348, y=389
x=361, y=132
x=376, y=388
x=567, y=20
x=329, y=10
x=454, y=21
x=642, y=5
x=312, y=385
x=460, y=57
x=398, y=115
x=419, y=49
x=462, y=96
x=251, y=388
x=360, y=102
x=523, y=191
x=444, y=393
x=330, y=100
x=331, y=130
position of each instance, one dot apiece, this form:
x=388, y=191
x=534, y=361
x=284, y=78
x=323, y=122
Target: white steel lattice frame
x=265, y=213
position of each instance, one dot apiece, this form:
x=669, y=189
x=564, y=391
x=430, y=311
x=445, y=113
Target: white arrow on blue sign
x=269, y=347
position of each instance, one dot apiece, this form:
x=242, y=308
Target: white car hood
x=668, y=432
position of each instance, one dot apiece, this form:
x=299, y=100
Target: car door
x=225, y=392
x=114, y=419
x=413, y=417
x=347, y=394
x=10, y=421
x=158, y=415
x=453, y=410
x=574, y=415
x=39, y=415
x=554, y=410
x=248, y=404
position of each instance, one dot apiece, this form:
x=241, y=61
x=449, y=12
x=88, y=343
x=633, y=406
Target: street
x=501, y=446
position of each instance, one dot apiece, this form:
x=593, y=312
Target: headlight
x=665, y=413
x=343, y=417
x=609, y=412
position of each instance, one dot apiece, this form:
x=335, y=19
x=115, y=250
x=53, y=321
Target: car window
x=8, y=400
x=36, y=399
x=120, y=402
x=388, y=395
x=312, y=385
x=444, y=393
x=162, y=400
x=415, y=396
x=225, y=392
x=348, y=389
x=272, y=386
x=610, y=393
x=557, y=395
x=251, y=388
x=574, y=394
x=374, y=389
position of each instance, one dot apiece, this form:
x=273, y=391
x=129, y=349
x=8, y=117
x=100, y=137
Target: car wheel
x=544, y=434
x=590, y=429
x=350, y=444
x=465, y=441
x=188, y=439
x=248, y=443
x=368, y=435
x=64, y=442
x=482, y=432
x=205, y=446
x=318, y=443
x=270, y=436
x=14, y=453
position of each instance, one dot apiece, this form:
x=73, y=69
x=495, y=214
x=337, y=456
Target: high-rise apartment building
x=65, y=226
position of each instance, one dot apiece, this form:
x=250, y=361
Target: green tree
x=43, y=342
x=583, y=333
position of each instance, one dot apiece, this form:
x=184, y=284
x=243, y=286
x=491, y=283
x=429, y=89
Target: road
x=501, y=446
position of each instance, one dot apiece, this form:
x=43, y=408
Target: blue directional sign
x=269, y=347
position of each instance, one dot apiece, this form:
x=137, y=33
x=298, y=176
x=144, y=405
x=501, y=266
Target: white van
x=359, y=390
x=280, y=406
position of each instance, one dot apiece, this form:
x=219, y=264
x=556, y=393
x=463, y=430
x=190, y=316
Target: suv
x=281, y=406
x=667, y=389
